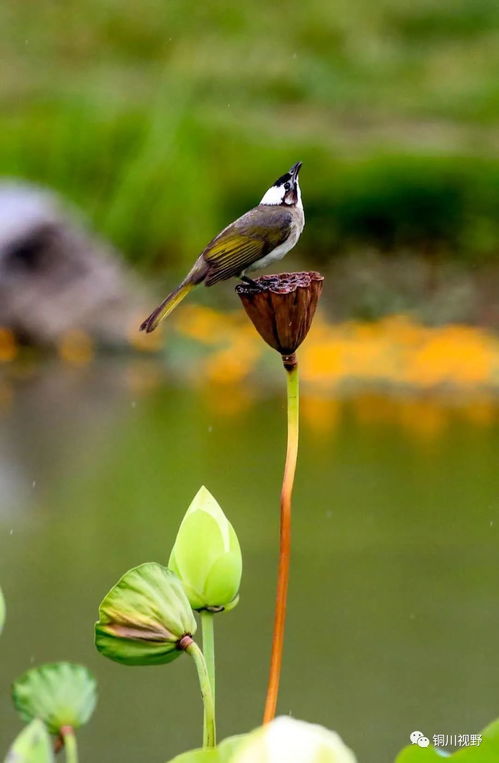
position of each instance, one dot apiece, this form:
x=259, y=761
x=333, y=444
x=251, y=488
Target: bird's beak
x=295, y=169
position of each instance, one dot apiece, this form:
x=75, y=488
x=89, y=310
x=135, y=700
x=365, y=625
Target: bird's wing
x=245, y=241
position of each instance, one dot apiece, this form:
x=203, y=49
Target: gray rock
x=56, y=276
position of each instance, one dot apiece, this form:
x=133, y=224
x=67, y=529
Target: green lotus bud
x=206, y=555
x=144, y=617
x=32, y=745
x=293, y=741
x=60, y=694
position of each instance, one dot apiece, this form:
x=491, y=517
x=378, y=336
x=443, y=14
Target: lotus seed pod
x=282, y=307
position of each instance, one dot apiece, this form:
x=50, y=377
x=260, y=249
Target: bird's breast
x=280, y=251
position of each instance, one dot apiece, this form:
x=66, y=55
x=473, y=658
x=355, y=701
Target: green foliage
x=486, y=752
x=490, y=736
x=166, y=124
x=222, y=753
x=60, y=693
x=323, y=745
x=206, y=555
x=32, y=745
x=143, y=617
x=428, y=205
x=415, y=754
x=284, y=739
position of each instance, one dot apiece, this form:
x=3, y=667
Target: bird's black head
x=286, y=189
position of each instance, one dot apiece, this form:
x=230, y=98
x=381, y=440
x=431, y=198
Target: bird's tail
x=166, y=307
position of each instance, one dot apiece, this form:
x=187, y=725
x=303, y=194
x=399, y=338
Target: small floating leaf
x=32, y=745
x=60, y=693
x=2, y=610
x=143, y=617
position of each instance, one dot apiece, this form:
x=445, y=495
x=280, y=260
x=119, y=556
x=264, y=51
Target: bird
x=256, y=239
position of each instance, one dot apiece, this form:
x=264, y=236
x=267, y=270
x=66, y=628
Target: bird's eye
x=287, y=186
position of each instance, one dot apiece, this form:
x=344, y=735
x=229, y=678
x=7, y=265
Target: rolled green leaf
x=2, y=610
x=206, y=555
x=144, y=617
x=32, y=745
x=59, y=693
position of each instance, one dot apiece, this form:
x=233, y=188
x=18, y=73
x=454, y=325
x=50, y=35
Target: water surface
x=393, y=613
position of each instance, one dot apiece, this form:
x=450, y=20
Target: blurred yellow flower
x=395, y=350
x=204, y=324
x=321, y=413
x=76, y=348
x=8, y=345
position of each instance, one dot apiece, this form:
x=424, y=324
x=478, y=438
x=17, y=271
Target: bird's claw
x=249, y=281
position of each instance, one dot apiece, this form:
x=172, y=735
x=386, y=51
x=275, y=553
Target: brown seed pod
x=282, y=307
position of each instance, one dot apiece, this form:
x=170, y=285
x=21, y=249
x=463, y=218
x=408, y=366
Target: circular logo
x=415, y=736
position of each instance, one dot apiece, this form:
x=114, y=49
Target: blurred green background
x=393, y=616
x=165, y=121
x=162, y=121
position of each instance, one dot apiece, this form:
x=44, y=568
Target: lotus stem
x=291, y=366
x=70, y=748
x=209, y=731
x=208, y=628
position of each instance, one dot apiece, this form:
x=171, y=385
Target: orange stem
x=285, y=544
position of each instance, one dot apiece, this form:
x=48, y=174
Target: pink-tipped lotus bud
x=145, y=619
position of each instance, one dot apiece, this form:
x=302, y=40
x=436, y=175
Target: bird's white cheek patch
x=273, y=195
